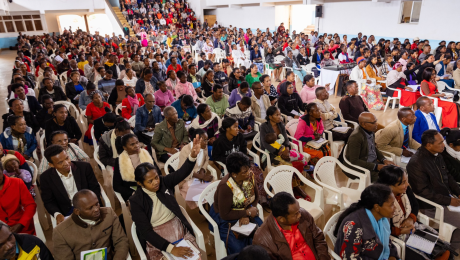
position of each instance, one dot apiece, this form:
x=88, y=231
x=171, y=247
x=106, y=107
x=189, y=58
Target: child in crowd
x=11, y=169
x=276, y=142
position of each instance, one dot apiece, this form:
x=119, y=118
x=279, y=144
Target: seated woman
x=62, y=121
x=18, y=206
x=17, y=109
x=289, y=101
x=253, y=75
x=110, y=142
x=256, y=58
x=54, y=91
x=130, y=79
x=22, y=161
x=277, y=68
x=411, y=76
x=397, y=79
x=429, y=88
x=235, y=79
x=19, y=137
x=94, y=110
x=239, y=57
x=200, y=170
x=235, y=200
x=163, y=96
x=184, y=87
x=185, y=108
x=156, y=213
x=131, y=103
x=74, y=88
x=172, y=81
x=373, y=72
x=368, y=216
x=208, y=49
x=318, y=56
x=310, y=128
x=451, y=154
x=308, y=94
x=370, y=92
x=238, y=93
x=209, y=122
x=11, y=169
x=207, y=84
x=123, y=171
x=118, y=94
x=174, y=65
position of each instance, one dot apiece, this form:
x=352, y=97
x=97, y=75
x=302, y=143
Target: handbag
x=454, y=92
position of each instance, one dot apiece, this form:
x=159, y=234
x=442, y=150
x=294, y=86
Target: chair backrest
x=139, y=248
x=330, y=226
x=118, y=108
x=173, y=161
x=70, y=105
x=441, y=86
x=93, y=137
x=132, y=121
x=208, y=194
x=256, y=141
x=325, y=171
x=96, y=157
x=280, y=179
x=291, y=126
x=34, y=173
x=279, y=58
x=42, y=144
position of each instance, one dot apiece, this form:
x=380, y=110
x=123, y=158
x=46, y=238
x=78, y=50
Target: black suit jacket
x=54, y=194
x=34, y=106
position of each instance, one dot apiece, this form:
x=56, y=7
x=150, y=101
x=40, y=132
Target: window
x=410, y=11
x=20, y=23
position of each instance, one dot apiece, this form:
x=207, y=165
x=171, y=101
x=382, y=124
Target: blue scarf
x=382, y=229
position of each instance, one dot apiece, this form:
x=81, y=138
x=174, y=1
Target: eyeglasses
x=373, y=123
x=256, y=88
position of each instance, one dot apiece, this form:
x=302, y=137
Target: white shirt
x=262, y=107
x=30, y=92
x=26, y=105
x=69, y=185
x=431, y=124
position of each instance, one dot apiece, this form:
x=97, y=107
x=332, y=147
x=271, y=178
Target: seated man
x=207, y=66
x=85, y=96
x=425, y=118
x=96, y=228
x=430, y=179
x=107, y=84
x=243, y=113
x=104, y=124
x=361, y=149
x=292, y=225
x=396, y=137
x=259, y=102
x=65, y=178
x=21, y=246
x=352, y=105
x=147, y=116
x=185, y=108
x=74, y=152
x=328, y=114
x=170, y=135
x=30, y=102
x=107, y=153
x=218, y=102
x=46, y=113
x=219, y=76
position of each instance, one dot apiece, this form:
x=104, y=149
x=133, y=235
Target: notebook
x=185, y=243
x=317, y=144
x=244, y=229
x=95, y=254
x=405, y=159
x=422, y=241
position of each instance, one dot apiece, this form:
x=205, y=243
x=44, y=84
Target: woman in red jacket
x=17, y=207
x=131, y=103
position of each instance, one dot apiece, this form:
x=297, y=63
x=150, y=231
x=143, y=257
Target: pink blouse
x=163, y=99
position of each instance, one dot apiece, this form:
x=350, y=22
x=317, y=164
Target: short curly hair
x=236, y=161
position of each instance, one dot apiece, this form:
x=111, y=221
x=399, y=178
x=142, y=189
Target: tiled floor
x=6, y=64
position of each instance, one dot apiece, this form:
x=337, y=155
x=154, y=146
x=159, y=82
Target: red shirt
x=299, y=248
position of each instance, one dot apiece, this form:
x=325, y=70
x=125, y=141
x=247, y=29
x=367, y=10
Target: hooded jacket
x=233, y=82
x=6, y=139
x=287, y=103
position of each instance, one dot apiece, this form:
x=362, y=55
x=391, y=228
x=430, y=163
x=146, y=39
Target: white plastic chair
x=366, y=171
x=70, y=105
x=445, y=229
x=443, y=85
x=208, y=196
x=324, y=175
x=160, y=165
x=280, y=179
x=173, y=161
x=83, y=122
x=40, y=212
x=329, y=232
x=34, y=173
x=96, y=157
x=118, y=108
x=138, y=245
x=335, y=145
x=132, y=121
x=291, y=127
x=394, y=99
x=355, y=125
x=255, y=144
x=42, y=144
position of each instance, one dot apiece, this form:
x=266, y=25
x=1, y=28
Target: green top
x=218, y=107
x=250, y=79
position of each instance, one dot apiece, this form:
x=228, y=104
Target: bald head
x=368, y=121
x=81, y=197
x=86, y=205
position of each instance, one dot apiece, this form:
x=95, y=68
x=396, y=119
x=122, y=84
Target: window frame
x=10, y=18
x=401, y=13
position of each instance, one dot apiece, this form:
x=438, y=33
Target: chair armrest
x=340, y=123
x=196, y=230
x=439, y=216
x=389, y=156
x=224, y=172
x=213, y=172
x=96, y=158
x=255, y=156
x=269, y=164
x=329, y=136
x=261, y=211
x=353, y=123
x=319, y=194
x=328, y=187
x=105, y=197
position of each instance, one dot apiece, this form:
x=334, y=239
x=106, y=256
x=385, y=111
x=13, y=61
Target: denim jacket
x=140, y=85
x=142, y=116
x=6, y=139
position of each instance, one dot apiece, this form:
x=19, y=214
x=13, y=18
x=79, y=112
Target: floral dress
x=371, y=95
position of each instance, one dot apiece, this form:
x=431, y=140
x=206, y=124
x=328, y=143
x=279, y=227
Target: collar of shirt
x=293, y=227
x=426, y=114
x=170, y=126
x=62, y=176
x=88, y=221
x=404, y=127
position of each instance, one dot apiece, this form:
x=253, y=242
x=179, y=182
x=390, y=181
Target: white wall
x=438, y=20
x=51, y=5
x=247, y=17
x=302, y=16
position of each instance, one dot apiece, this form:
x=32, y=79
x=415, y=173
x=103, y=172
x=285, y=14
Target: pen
x=405, y=148
x=174, y=243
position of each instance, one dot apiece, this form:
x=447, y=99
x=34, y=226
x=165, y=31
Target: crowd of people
x=205, y=92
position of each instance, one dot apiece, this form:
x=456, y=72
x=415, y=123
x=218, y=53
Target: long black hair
x=227, y=123
x=374, y=194
x=391, y=175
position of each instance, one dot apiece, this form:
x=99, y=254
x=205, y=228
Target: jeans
x=234, y=245
x=300, y=73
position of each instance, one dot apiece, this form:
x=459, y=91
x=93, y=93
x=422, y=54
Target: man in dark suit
x=63, y=180
x=30, y=102
x=362, y=150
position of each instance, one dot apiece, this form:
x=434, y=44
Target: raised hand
x=196, y=146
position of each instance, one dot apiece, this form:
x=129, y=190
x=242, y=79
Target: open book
x=185, y=243
x=422, y=241
x=317, y=144
x=244, y=229
x=405, y=159
x=95, y=254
